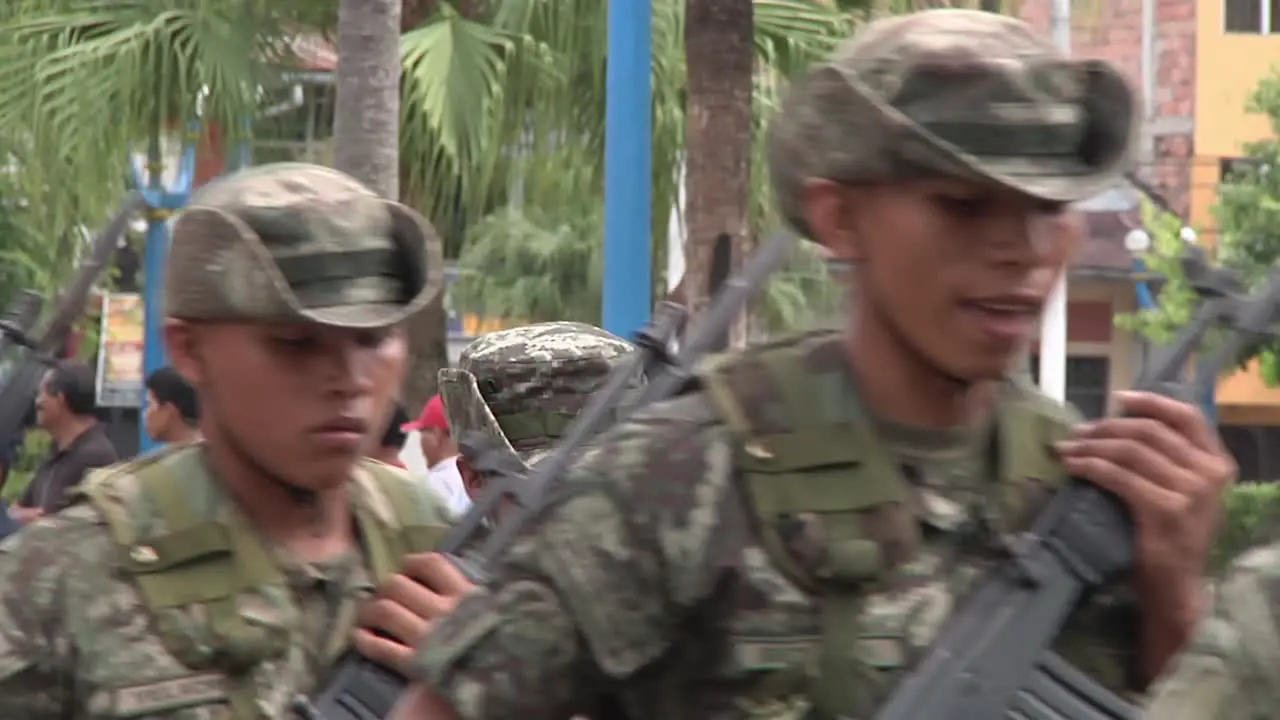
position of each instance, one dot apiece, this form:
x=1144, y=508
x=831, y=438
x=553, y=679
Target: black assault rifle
x=362, y=690
x=22, y=383
x=993, y=658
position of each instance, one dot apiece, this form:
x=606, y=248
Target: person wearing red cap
x=441, y=454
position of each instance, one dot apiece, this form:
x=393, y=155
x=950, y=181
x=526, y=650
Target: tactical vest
x=804, y=450
x=198, y=557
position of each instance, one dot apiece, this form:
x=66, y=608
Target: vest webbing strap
x=193, y=560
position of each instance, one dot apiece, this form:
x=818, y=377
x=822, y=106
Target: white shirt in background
x=443, y=477
x=445, y=480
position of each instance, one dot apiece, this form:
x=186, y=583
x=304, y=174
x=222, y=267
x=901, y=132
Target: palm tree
x=504, y=130
x=720, y=57
x=83, y=83
x=366, y=139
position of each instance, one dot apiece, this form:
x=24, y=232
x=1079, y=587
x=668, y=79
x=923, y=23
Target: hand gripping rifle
x=993, y=658
x=362, y=690
x=23, y=382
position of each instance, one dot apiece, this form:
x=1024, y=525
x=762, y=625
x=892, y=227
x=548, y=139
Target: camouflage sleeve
x=40, y=568
x=597, y=587
x=1101, y=638
x=1228, y=671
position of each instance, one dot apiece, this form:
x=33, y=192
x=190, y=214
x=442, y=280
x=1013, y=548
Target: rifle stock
x=993, y=659
x=362, y=690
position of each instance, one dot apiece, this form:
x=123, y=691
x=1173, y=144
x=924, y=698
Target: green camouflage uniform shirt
x=1230, y=669
x=277, y=243
x=645, y=578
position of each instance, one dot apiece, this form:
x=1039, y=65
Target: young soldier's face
x=956, y=272
x=302, y=401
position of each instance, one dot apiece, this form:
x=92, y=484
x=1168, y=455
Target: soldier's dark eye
x=294, y=343
x=964, y=205
x=373, y=338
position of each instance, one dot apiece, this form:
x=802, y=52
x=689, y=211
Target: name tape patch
x=167, y=695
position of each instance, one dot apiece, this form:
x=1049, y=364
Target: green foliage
x=1248, y=217
x=1176, y=301
x=1251, y=517
x=540, y=265
x=35, y=448
x=505, y=112
x=534, y=266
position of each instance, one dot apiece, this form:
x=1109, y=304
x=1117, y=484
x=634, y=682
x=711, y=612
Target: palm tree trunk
x=366, y=118
x=366, y=134
x=719, y=41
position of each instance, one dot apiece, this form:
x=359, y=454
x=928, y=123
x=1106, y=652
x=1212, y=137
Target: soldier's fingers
x=1186, y=419
x=1139, y=458
x=1143, y=497
x=1153, y=433
x=393, y=619
x=381, y=650
x=415, y=597
x=436, y=572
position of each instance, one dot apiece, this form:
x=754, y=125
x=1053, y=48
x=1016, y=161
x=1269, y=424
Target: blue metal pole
x=161, y=203
x=1146, y=301
x=628, y=234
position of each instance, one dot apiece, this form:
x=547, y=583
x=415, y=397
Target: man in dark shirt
x=64, y=408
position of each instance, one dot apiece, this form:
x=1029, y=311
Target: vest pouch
x=218, y=598
x=838, y=532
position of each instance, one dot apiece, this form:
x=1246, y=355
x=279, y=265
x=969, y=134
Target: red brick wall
x=1089, y=321
x=1112, y=31
x=210, y=160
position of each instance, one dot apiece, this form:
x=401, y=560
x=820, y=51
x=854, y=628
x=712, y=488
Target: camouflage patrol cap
x=953, y=93
x=522, y=387
x=292, y=241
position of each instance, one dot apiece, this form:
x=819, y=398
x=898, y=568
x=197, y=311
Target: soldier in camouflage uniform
x=515, y=391
x=790, y=538
x=219, y=580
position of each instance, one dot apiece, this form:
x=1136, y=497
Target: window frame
x=1267, y=19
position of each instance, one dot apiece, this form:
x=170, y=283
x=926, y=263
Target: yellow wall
x=1228, y=68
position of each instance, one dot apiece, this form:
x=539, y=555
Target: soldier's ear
x=182, y=344
x=831, y=214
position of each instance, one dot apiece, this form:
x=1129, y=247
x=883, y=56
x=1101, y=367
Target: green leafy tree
x=1248, y=217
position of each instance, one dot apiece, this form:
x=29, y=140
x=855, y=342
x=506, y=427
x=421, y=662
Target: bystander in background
x=65, y=409
x=173, y=412
x=441, y=455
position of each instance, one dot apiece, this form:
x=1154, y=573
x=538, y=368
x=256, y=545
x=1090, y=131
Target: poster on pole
x=120, y=343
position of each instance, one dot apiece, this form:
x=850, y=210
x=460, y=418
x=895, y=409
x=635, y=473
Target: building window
x=1088, y=383
x=1256, y=449
x=1258, y=17
x=1232, y=169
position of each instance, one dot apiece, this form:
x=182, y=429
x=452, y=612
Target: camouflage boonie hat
x=522, y=387
x=953, y=93
x=291, y=241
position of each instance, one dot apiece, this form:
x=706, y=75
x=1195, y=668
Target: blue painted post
x=161, y=203
x=1146, y=301
x=628, y=234
x=243, y=156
